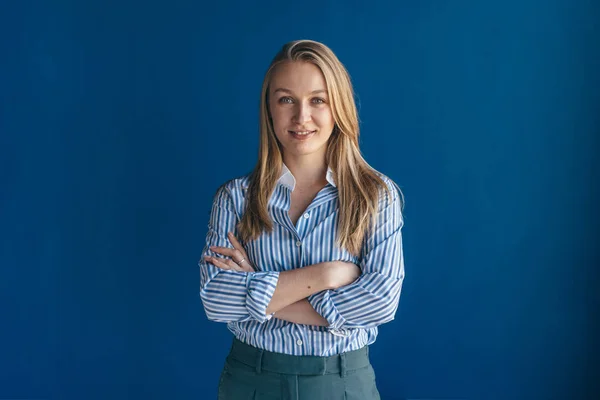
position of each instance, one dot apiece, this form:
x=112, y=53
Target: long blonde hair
x=357, y=182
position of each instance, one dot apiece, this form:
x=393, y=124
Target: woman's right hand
x=340, y=273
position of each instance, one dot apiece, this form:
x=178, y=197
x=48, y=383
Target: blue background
x=119, y=120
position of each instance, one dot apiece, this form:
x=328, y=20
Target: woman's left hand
x=238, y=259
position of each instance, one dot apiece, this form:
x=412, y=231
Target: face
x=300, y=109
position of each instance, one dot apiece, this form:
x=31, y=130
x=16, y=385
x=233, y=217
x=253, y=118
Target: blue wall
x=119, y=119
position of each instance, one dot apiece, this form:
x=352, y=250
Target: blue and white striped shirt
x=354, y=311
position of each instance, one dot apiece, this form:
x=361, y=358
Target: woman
x=303, y=256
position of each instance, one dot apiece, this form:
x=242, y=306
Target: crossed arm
x=290, y=298
x=326, y=294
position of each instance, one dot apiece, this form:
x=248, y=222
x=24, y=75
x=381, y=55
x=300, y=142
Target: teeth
x=302, y=133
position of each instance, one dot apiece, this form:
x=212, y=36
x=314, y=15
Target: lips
x=302, y=135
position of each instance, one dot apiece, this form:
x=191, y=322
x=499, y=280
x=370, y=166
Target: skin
x=298, y=101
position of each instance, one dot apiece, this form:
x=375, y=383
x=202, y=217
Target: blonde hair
x=357, y=182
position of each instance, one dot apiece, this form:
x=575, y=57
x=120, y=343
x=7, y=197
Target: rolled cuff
x=323, y=305
x=260, y=288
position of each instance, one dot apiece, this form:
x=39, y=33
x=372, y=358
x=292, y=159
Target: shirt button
x=298, y=243
x=306, y=215
x=299, y=342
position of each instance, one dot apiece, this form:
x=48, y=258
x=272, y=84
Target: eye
x=318, y=100
x=286, y=100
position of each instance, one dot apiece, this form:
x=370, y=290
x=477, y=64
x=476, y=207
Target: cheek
x=280, y=118
x=324, y=118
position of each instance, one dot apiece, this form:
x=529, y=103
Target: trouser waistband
x=264, y=360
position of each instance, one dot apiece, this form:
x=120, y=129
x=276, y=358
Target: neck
x=307, y=172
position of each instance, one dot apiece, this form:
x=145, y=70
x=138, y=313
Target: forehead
x=298, y=76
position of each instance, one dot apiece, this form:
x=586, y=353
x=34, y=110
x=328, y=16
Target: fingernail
x=229, y=234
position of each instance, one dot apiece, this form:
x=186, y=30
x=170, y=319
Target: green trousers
x=250, y=373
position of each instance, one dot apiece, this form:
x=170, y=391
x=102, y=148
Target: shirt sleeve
x=373, y=298
x=227, y=295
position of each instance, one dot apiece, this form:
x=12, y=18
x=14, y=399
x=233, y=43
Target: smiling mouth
x=301, y=134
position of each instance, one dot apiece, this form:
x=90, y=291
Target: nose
x=302, y=113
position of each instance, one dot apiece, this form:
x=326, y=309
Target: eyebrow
x=290, y=92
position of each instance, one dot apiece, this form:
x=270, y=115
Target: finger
x=226, y=251
x=224, y=263
x=236, y=245
x=232, y=254
x=232, y=265
x=217, y=263
x=246, y=266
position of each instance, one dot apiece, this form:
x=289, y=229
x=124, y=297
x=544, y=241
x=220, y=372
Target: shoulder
x=391, y=198
x=391, y=188
x=233, y=190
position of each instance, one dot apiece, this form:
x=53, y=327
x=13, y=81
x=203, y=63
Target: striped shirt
x=353, y=312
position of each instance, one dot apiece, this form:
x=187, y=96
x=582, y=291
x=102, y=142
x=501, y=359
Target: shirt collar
x=287, y=179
